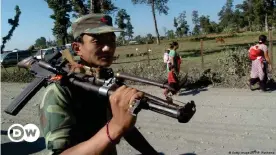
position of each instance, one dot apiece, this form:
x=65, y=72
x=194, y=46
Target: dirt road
x=227, y=121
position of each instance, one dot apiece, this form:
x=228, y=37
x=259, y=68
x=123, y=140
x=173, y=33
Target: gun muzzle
x=26, y=63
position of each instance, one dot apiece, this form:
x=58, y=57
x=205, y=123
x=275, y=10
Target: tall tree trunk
x=67, y=39
x=95, y=6
x=63, y=40
x=92, y=6
x=249, y=22
x=155, y=23
x=266, y=23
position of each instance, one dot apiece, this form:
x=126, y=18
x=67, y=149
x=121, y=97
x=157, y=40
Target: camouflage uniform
x=68, y=114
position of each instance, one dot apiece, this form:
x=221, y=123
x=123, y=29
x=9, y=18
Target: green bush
x=234, y=68
x=16, y=75
x=212, y=36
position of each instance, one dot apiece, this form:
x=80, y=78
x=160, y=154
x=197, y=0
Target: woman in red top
x=172, y=81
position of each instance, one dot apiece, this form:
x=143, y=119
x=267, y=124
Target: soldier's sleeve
x=56, y=119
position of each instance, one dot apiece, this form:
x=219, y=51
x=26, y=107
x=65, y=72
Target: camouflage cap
x=93, y=24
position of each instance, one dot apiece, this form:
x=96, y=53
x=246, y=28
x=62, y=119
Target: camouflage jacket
x=69, y=116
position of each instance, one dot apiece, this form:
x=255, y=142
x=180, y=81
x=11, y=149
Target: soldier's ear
x=76, y=48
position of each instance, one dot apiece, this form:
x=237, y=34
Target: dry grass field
x=189, y=50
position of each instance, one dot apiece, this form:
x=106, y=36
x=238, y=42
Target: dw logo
x=29, y=133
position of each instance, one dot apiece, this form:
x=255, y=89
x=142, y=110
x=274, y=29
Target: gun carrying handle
x=20, y=101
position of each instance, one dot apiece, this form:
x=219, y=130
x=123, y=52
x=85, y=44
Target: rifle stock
x=41, y=80
x=22, y=99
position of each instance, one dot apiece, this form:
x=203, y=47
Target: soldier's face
x=97, y=50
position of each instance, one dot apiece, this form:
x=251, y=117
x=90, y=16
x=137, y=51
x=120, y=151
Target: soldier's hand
x=121, y=101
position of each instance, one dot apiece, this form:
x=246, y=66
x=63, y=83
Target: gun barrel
x=142, y=80
x=163, y=109
x=183, y=114
x=47, y=66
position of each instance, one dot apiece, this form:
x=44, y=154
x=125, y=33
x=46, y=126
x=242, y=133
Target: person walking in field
x=173, y=69
x=174, y=58
x=261, y=63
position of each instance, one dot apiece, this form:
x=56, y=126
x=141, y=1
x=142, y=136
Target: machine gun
x=98, y=80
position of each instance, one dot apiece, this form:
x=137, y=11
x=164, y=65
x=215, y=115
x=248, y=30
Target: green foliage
x=123, y=21
x=100, y=6
x=61, y=9
x=51, y=43
x=139, y=39
x=41, y=43
x=254, y=13
x=196, y=22
x=70, y=37
x=170, y=34
x=79, y=8
x=108, y=7
x=234, y=67
x=175, y=24
x=149, y=38
x=206, y=26
x=120, y=19
x=183, y=26
x=226, y=14
x=144, y=40
x=14, y=23
x=16, y=75
x=129, y=29
x=213, y=36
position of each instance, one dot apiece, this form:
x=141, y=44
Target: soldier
x=77, y=122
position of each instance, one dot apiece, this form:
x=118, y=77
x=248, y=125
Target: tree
x=215, y=27
x=14, y=23
x=61, y=9
x=51, y=43
x=156, y=5
x=83, y=7
x=247, y=10
x=101, y=6
x=79, y=8
x=183, y=27
x=31, y=48
x=258, y=14
x=205, y=24
x=70, y=37
x=270, y=13
x=175, y=24
x=149, y=38
x=129, y=29
x=120, y=20
x=226, y=14
x=195, y=20
x=40, y=43
x=170, y=34
x=239, y=20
